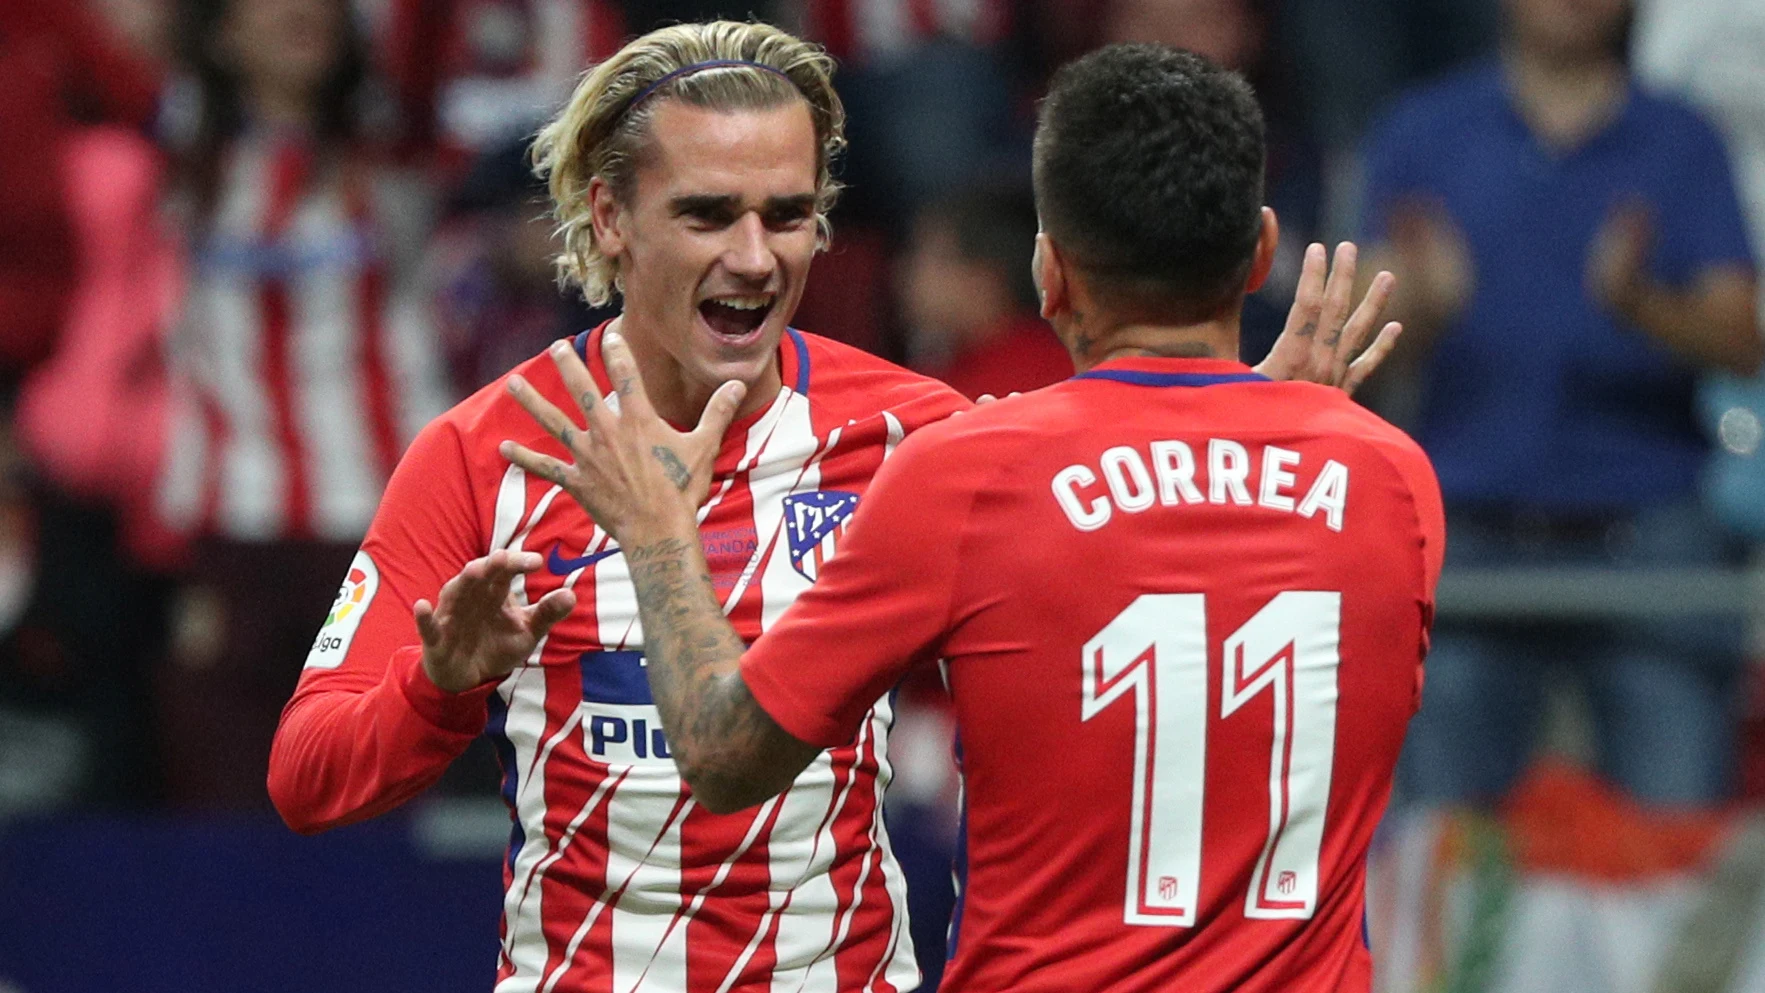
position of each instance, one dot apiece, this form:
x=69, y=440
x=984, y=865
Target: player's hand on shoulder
x=630, y=469
x=989, y=398
x=1323, y=341
x=477, y=630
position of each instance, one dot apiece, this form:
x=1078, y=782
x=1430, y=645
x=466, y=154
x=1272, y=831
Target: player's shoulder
x=852, y=384
x=997, y=430
x=1324, y=411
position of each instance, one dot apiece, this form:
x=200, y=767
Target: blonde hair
x=604, y=128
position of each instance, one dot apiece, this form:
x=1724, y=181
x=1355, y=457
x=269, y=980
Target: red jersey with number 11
x=1183, y=610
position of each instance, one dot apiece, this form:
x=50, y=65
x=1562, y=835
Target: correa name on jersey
x=1169, y=474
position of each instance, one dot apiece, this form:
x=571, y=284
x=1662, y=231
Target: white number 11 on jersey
x=1156, y=650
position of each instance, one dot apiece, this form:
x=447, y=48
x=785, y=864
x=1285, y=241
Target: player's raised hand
x=477, y=630
x=628, y=464
x=1323, y=342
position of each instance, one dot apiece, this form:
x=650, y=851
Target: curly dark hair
x=1149, y=176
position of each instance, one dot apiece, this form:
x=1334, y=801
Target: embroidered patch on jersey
x=340, y=625
x=812, y=521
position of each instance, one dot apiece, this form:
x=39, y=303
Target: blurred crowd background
x=248, y=247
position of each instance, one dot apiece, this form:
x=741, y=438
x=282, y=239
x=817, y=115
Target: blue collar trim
x=1136, y=378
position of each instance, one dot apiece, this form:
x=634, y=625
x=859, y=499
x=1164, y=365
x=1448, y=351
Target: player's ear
x=1264, y=258
x=608, y=216
x=1048, y=269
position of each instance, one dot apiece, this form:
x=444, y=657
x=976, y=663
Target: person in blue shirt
x=1570, y=256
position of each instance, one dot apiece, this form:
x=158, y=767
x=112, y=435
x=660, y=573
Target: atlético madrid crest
x=812, y=521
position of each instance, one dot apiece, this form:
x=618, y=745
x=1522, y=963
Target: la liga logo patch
x=350, y=597
x=353, y=598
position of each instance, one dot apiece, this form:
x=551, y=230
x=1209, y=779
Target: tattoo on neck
x=1190, y=350
x=671, y=464
x=1178, y=350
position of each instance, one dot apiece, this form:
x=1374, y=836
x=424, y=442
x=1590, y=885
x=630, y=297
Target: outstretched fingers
x=1364, y=319
x=1369, y=360
x=555, y=422
x=719, y=413
x=429, y=627
x=551, y=608
x=545, y=467
x=1338, y=298
x=1308, y=296
x=622, y=368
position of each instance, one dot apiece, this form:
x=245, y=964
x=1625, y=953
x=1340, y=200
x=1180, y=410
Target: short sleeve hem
x=801, y=722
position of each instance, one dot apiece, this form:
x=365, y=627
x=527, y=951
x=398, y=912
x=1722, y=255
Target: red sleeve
x=882, y=605
x=366, y=729
x=1418, y=472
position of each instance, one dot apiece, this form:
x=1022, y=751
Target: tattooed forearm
x=677, y=471
x=728, y=748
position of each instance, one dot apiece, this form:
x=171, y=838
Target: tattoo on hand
x=1310, y=329
x=1332, y=338
x=671, y=464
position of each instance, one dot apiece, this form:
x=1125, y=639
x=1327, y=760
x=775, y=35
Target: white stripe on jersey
x=672, y=948
x=523, y=695
x=325, y=374
x=895, y=433
x=511, y=503
x=648, y=900
x=817, y=893
x=251, y=472
x=187, y=449
x=413, y=362
x=899, y=967
x=225, y=325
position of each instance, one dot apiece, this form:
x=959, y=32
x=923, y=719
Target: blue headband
x=644, y=93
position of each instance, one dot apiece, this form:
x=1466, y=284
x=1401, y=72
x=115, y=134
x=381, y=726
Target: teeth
x=745, y=303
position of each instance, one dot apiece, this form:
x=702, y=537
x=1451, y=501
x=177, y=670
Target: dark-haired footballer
x=1182, y=608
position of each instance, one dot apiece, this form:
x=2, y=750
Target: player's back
x=1185, y=644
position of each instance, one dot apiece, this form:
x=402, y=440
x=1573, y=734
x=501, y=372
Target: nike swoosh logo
x=561, y=566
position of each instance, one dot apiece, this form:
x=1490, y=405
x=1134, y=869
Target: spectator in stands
x=1712, y=52
x=302, y=363
x=1570, y=256
x=968, y=298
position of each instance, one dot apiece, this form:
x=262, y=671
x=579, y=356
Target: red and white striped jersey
x=615, y=878
x=303, y=360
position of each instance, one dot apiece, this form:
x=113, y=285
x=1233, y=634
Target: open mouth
x=736, y=319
